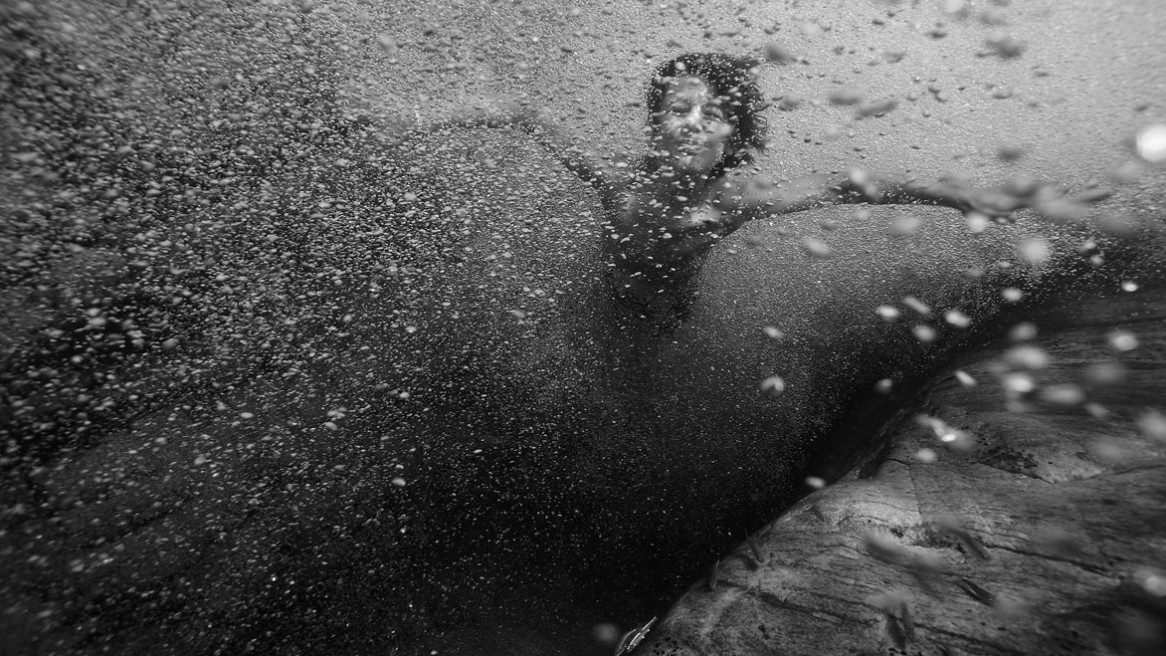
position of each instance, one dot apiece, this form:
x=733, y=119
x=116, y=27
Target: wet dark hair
x=728, y=76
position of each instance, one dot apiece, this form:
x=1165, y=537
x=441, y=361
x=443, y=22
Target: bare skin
x=672, y=208
x=666, y=211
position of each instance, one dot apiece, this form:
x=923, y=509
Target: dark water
x=290, y=365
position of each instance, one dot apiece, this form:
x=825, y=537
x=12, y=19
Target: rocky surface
x=1036, y=528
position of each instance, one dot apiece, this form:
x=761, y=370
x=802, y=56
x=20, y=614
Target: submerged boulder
x=1018, y=511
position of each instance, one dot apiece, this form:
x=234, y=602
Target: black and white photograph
x=582, y=327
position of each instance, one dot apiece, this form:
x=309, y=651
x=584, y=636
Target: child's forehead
x=687, y=81
x=691, y=86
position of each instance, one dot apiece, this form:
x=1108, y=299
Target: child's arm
x=585, y=164
x=758, y=197
x=578, y=160
x=740, y=202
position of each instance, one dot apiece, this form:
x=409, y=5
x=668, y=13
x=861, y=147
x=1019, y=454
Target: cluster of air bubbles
x=214, y=252
x=924, y=332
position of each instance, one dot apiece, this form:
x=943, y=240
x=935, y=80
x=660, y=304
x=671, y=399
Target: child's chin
x=688, y=164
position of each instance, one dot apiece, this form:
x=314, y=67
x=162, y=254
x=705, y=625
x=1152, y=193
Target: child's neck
x=669, y=187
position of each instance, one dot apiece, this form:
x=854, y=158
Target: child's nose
x=694, y=119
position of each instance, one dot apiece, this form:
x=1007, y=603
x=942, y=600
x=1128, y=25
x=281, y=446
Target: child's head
x=731, y=79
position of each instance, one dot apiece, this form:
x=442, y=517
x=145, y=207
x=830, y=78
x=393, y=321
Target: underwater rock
x=1040, y=539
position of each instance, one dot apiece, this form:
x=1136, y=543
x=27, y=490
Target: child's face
x=692, y=128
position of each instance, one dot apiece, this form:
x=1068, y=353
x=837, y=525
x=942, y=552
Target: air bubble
x=1018, y=383
x=1096, y=410
x=817, y=248
x=1151, y=143
x=1151, y=581
x=924, y=333
x=777, y=54
x=1065, y=395
x=1109, y=451
x=1153, y=424
x=1027, y=356
x=1035, y=251
x=1122, y=340
x=773, y=332
x=1022, y=332
x=957, y=319
x=1105, y=373
x=773, y=386
x=916, y=305
x=953, y=6
x=906, y=225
